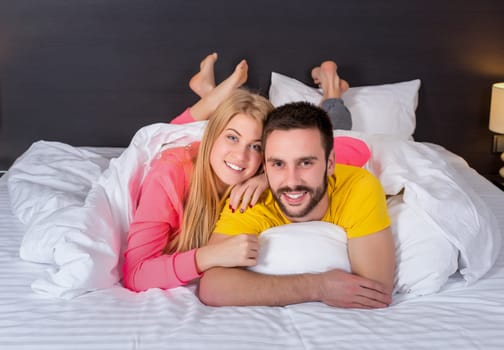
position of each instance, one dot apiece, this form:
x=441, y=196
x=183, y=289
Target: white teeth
x=294, y=196
x=234, y=167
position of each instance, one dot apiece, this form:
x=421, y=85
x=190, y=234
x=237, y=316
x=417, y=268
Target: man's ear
x=331, y=161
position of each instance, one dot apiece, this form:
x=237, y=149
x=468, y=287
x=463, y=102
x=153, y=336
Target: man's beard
x=316, y=196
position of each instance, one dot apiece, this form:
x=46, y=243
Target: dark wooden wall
x=91, y=72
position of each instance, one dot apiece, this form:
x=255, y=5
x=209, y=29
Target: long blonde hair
x=204, y=204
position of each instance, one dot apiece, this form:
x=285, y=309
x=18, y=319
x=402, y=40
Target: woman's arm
x=156, y=222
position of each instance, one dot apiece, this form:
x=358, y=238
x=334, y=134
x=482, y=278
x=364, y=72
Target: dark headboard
x=91, y=72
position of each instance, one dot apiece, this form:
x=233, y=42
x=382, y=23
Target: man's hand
x=346, y=290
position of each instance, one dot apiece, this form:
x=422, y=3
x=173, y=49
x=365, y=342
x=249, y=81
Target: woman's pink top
x=184, y=118
x=160, y=209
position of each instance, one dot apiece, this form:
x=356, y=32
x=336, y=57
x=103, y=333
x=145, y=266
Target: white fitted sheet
x=460, y=317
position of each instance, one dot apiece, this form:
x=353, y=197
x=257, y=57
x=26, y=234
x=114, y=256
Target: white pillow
x=308, y=247
x=424, y=257
x=378, y=109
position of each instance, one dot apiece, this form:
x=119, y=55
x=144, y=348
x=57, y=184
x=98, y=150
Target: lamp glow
x=496, y=123
x=497, y=109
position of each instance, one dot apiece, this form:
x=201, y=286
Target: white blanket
x=77, y=216
x=435, y=191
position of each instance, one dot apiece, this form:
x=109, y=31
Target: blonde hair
x=204, y=203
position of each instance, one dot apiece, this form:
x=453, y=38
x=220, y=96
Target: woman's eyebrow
x=236, y=131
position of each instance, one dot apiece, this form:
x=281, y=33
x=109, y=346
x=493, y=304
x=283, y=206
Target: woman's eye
x=257, y=147
x=232, y=138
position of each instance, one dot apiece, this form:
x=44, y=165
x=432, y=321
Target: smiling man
x=307, y=185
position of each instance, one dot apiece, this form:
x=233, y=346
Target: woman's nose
x=242, y=153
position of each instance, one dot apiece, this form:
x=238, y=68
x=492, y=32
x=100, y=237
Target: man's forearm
x=222, y=286
x=238, y=287
x=373, y=257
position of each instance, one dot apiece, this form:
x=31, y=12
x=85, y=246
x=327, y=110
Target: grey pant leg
x=340, y=116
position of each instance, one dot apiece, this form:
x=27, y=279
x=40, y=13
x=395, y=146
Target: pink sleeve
x=156, y=221
x=351, y=151
x=184, y=118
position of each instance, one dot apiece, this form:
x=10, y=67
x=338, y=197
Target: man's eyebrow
x=307, y=158
x=273, y=159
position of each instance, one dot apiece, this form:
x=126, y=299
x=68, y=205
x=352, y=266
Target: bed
x=95, y=81
x=64, y=210
x=465, y=317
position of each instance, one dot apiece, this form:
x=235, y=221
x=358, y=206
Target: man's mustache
x=299, y=188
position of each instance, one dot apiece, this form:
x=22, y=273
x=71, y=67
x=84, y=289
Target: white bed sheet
x=458, y=317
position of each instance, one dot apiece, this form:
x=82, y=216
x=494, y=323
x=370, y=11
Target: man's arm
x=373, y=256
x=239, y=287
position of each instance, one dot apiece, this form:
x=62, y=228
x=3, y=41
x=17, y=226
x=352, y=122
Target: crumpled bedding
x=76, y=207
x=78, y=224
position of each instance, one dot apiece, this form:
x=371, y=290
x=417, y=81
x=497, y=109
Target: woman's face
x=237, y=153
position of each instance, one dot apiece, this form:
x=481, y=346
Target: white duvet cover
x=77, y=207
x=456, y=317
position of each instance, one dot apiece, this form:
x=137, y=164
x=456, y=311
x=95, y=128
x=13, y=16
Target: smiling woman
x=236, y=154
x=183, y=192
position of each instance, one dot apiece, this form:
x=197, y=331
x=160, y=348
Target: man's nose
x=292, y=177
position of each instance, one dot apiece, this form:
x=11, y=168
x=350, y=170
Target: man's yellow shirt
x=357, y=203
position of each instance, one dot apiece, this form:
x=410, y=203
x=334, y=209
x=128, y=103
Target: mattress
x=458, y=316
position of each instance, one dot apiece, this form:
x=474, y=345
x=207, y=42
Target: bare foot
x=327, y=78
x=204, y=81
x=238, y=77
x=205, y=107
x=315, y=74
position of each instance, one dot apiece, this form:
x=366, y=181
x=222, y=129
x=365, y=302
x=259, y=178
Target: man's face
x=297, y=172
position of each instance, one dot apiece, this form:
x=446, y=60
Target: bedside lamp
x=497, y=120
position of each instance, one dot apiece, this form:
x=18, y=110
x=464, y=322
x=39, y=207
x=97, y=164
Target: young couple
x=170, y=241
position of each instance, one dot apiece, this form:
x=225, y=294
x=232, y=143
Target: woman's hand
x=248, y=192
x=240, y=250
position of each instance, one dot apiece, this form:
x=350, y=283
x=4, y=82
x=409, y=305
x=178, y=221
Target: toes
x=315, y=74
x=344, y=86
